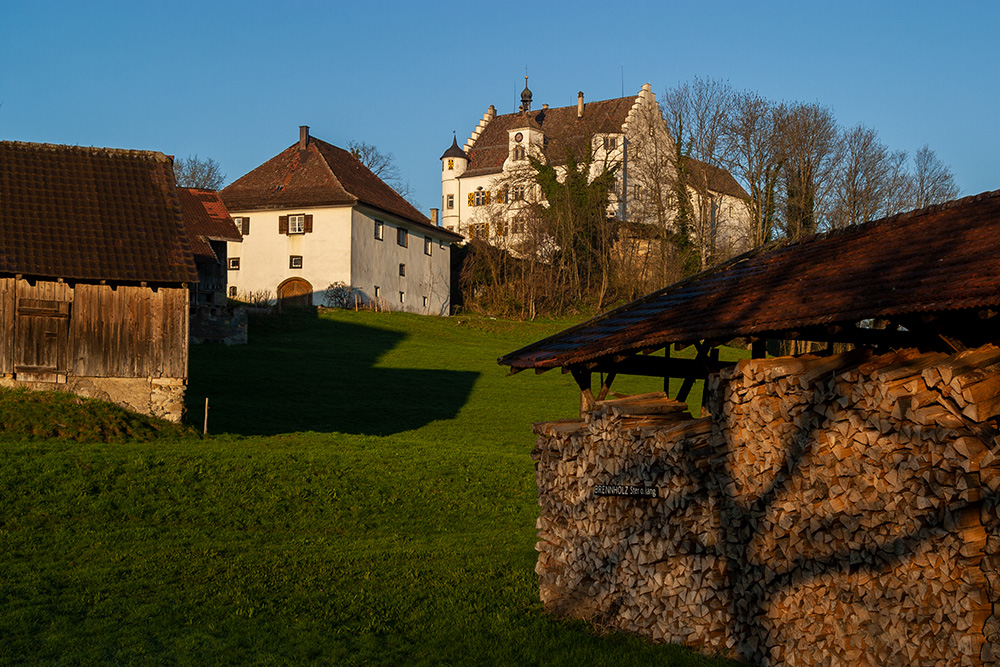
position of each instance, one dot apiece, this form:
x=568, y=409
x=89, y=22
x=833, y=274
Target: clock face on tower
x=518, y=137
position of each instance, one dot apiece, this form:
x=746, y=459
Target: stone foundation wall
x=830, y=511
x=157, y=397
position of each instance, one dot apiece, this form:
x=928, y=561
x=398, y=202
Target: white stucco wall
x=265, y=253
x=342, y=248
x=375, y=263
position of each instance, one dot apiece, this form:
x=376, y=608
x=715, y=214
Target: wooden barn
x=94, y=272
x=836, y=507
x=210, y=229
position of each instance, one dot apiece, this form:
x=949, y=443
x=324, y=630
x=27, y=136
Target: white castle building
x=486, y=182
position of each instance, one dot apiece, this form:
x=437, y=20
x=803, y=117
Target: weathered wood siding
x=93, y=330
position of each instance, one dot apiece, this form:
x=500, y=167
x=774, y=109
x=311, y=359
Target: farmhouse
x=314, y=216
x=94, y=271
x=488, y=183
x=840, y=507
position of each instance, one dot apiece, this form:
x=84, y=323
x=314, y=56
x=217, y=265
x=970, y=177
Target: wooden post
x=666, y=376
x=205, y=427
x=582, y=378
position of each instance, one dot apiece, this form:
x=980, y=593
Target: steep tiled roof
x=206, y=219
x=564, y=131
x=320, y=175
x=718, y=180
x=82, y=213
x=942, y=258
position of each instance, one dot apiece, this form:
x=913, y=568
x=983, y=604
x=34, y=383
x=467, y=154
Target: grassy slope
x=372, y=503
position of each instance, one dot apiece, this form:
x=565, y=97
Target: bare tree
x=194, y=172
x=808, y=152
x=932, y=181
x=754, y=160
x=382, y=165
x=867, y=181
x=697, y=116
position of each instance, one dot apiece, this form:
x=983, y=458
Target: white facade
x=342, y=247
x=484, y=183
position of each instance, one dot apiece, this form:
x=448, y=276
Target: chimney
x=303, y=137
x=434, y=217
x=579, y=104
x=544, y=107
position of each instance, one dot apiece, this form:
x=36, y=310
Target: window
x=517, y=192
x=243, y=224
x=295, y=224
x=479, y=230
x=295, y=261
x=480, y=197
x=232, y=291
x=451, y=163
x=451, y=201
x=401, y=237
x=610, y=143
x=402, y=297
x=402, y=269
x=378, y=291
x=379, y=229
x=425, y=302
x=234, y=263
x=427, y=245
x=518, y=152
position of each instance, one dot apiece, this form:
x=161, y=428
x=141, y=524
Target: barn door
x=40, y=340
x=294, y=292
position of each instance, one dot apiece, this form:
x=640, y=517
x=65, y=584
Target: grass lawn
x=366, y=497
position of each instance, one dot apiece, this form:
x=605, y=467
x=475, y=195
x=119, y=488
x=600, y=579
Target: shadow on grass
x=305, y=373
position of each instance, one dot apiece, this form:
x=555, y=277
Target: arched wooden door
x=294, y=293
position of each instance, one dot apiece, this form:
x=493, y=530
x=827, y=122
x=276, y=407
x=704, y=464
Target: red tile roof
x=563, y=132
x=320, y=175
x=942, y=258
x=206, y=219
x=81, y=213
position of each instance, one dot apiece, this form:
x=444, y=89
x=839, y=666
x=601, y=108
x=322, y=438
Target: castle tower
x=454, y=162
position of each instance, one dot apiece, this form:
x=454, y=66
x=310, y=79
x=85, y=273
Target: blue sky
x=234, y=80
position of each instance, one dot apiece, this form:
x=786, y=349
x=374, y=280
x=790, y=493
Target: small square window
x=402, y=269
x=234, y=263
x=610, y=143
x=401, y=237
x=296, y=224
x=379, y=230
x=232, y=291
x=427, y=245
x=295, y=261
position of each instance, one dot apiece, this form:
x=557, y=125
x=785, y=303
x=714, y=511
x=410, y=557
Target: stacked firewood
x=831, y=510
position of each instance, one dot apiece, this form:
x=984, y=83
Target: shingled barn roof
x=910, y=267
x=81, y=213
x=318, y=175
x=206, y=219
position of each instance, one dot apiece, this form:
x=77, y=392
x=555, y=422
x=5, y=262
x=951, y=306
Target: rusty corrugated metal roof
x=941, y=258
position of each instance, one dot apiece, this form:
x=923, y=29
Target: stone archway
x=294, y=293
